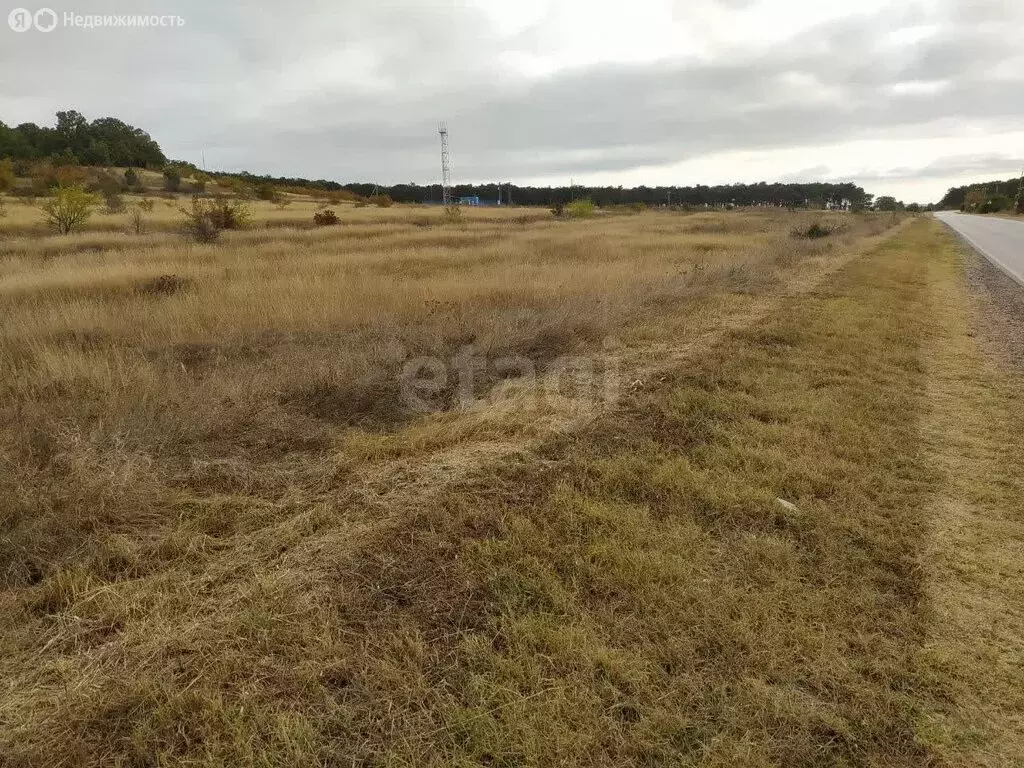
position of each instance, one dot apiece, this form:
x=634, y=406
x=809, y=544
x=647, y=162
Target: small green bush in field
x=68, y=208
x=580, y=209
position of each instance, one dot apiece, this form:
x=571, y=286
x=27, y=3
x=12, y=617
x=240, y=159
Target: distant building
x=469, y=200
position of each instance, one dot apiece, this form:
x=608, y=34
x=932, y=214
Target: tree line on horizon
x=107, y=141
x=812, y=194
x=816, y=194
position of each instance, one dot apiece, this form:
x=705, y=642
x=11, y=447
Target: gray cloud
x=354, y=90
x=985, y=166
x=954, y=170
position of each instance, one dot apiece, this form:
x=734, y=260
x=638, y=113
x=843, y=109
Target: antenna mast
x=446, y=165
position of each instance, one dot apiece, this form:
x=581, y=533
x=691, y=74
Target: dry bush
x=199, y=222
x=136, y=220
x=325, y=218
x=164, y=285
x=816, y=230
x=114, y=202
x=206, y=218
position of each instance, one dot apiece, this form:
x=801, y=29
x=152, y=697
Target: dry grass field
x=164, y=215
x=229, y=537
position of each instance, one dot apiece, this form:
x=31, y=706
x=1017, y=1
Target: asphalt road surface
x=1000, y=240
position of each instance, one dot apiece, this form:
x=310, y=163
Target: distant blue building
x=469, y=200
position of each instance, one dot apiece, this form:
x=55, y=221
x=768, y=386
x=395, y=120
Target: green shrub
x=995, y=204
x=68, y=209
x=580, y=209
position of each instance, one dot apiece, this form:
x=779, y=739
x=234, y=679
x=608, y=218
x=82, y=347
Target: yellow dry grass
x=25, y=218
x=227, y=539
x=275, y=347
x=975, y=563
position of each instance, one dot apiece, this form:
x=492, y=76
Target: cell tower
x=446, y=165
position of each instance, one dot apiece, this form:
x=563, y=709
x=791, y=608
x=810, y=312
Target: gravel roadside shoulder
x=998, y=309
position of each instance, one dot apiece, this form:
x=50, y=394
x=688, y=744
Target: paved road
x=1001, y=240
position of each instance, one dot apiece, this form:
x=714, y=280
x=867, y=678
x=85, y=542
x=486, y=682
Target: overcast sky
x=904, y=98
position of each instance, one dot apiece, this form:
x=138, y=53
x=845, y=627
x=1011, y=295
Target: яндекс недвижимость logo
x=22, y=19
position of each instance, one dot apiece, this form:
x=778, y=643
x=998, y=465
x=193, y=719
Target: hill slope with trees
x=107, y=141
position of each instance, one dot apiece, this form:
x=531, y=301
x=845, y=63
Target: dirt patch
x=373, y=404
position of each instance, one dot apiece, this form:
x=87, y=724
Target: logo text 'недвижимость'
x=47, y=19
